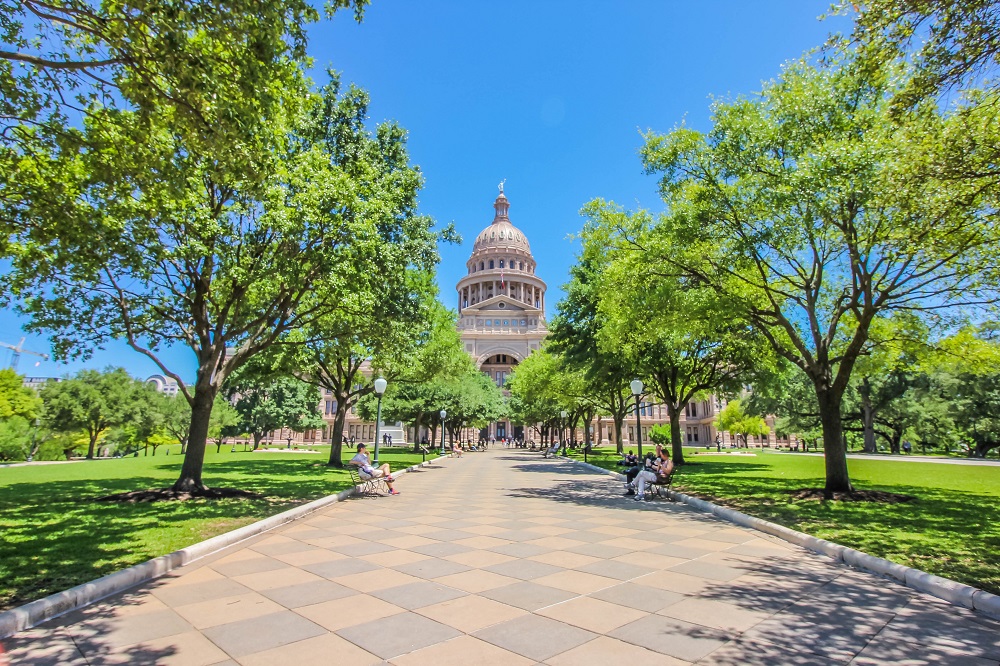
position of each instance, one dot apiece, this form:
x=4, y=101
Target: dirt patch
x=171, y=495
x=879, y=496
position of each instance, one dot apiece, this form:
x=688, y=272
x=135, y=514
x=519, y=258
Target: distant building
x=165, y=385
x=36, y=383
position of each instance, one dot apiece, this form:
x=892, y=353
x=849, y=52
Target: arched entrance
x=498, y=365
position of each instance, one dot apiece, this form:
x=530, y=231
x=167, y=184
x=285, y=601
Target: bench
x=663, y=484
x=368, y=486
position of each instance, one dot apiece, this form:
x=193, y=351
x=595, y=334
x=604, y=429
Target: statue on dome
x=501, y=185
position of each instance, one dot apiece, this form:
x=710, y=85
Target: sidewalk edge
x=958, y=594
x=35, y=612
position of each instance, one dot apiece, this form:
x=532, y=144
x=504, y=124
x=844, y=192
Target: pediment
x=499, y=305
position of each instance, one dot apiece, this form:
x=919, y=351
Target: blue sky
x=550, y=94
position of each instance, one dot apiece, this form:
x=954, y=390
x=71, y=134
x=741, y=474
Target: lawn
x=53, y=535
x=951, y=528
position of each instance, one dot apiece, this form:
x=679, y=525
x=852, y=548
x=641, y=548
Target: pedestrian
x=907, y=447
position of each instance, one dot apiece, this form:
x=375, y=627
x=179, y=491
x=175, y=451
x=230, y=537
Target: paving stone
x=523, y=569
x=338, y=568
x=229, y=609
x=615, y=569
x=535, y=637
x=398, y=634
x=714, y=614
x=262, y=633
x=892, y=648
x=348, y=611
x=318, y=651
x=642, y=597
x=471, y=612
x=417, y=595
x=527, y=595
x=592, y=614
x=305, y=594
x=675, y=638
x=462, y=651
x=177, y=595
x=432, y=568
x=743, y=652
x=476, y=580
x=604, y=650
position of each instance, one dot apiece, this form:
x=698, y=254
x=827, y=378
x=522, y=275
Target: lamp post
x=636, y=386
x=562, y=424
x=444, y=414
x=380, y=385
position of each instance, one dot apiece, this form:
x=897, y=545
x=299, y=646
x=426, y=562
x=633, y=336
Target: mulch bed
x=857, y=496
x=170, y=495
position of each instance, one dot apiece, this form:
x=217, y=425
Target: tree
x=733, y=419
x=953, y=43
x=816, y=210
x=420, y=375
x=574, y=336
x=685, y=337
x=176, y=418
x=225, y=422
x=15, y=438
x=178, y=251
x=264, y=405
x=15, y=398
x=92, y=401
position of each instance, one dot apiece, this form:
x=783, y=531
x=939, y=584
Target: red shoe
x=393, y=491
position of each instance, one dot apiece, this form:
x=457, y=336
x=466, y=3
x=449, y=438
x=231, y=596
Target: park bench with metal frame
x=661, y=483
x=371, y=486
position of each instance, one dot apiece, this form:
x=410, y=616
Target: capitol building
x=501, y=319
x=501, y=304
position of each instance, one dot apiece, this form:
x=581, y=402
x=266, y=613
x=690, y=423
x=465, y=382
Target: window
x=505, y=323
x=465, y=303
x=501, y=263
x=491, y=263
x=481, y=265
x=523, y=323
x=520, y=265
x=489, y=322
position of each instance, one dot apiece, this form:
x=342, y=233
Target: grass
x=55, y=536
x=951, y=528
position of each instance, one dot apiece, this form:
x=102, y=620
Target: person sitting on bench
x=661, y=469
x=634, y=470
x=629, y=460
x=366, y=471
x=456, y=448
x=552, y=450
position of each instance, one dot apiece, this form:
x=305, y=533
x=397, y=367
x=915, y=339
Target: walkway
x=506, y=558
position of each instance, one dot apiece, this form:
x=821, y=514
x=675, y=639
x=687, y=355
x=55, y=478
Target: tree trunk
x=93, y=444
x=867, y=416
x=194, y=457
x=676, y=442
x=619, y=442
x=337, y=436
x=257, y=437
x=835, y=453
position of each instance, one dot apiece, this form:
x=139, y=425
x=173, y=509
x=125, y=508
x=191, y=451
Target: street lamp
x=636, y=386
x=443, y=415
x=562, y=424
x=380, y=385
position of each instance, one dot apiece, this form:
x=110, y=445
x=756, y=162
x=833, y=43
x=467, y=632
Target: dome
x=501, y=234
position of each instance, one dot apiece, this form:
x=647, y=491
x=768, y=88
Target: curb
x=958, y=594
x=46, y=608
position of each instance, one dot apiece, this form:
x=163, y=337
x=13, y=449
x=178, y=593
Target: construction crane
x=17, y=350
